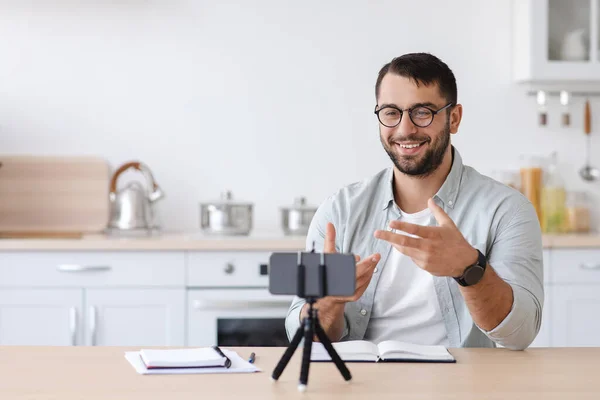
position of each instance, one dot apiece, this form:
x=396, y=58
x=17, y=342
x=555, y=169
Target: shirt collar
x=447, y=193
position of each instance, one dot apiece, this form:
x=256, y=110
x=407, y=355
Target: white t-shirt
x=406, y=307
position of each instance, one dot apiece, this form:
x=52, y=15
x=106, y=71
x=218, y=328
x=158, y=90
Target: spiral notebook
x=186, y=361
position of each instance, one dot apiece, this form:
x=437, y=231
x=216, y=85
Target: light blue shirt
x=494, y=218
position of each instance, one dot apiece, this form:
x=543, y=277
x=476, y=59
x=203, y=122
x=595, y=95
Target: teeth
x=409, y=146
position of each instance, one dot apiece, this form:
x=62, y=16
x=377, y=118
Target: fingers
x=399, y=240
x=413, y=229
x=440, y=216
x=356, y=258
x=329, y=245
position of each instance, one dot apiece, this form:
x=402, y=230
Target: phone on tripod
x=311, y=275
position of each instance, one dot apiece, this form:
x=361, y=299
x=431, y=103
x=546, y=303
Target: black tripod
x=308, y=328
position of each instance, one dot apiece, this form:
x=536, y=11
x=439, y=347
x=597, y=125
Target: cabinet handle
x=589, y=266
x=237, y=304
x=229, y=268
x=73, y=325
x=92, y=326
x=82, y=268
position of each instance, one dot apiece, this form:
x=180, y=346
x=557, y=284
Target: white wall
x=271, y=99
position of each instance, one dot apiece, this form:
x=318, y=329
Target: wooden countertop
x=97, y=373
x=196, y=241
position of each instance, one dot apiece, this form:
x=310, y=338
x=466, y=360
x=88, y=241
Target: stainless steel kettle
x=131, y=208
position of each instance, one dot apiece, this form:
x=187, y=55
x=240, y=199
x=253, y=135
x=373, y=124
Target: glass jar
x=578, y=212
x=553, y=199
x=531, y=181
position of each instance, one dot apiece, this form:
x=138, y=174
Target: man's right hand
x=331, y=308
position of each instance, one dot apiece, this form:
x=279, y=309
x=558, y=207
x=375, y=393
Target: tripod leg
x=285, y=359
x=335, y=357
x=308, y=339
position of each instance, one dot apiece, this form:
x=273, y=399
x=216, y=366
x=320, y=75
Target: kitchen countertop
x=196, y=241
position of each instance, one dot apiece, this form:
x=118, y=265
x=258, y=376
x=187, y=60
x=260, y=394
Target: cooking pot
x=226, y=216
x=296, y=219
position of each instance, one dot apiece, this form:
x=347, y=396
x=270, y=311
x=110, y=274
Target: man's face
x=415, y=150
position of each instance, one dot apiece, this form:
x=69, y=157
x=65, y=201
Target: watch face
x=473, y=275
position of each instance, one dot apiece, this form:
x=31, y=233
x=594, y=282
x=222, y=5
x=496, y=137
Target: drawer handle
x=589, y=266
x=82, y=268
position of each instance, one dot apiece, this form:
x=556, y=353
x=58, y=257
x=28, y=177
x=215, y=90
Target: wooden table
x=103, y=373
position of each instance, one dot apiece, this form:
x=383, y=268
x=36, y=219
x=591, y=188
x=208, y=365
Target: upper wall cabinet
x=556, y=41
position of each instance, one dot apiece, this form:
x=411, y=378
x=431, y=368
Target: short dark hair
x=422, y=68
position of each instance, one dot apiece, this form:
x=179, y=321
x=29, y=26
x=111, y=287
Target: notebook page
x=391, y=349
x=353, y=350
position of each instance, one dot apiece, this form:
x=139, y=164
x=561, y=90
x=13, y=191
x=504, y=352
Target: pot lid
x=227, y=199
x=300, y=204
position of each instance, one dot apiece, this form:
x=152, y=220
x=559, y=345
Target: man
x=450, y=257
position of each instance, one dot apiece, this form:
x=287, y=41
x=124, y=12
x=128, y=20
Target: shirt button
x=363, y=312
x=375, y=270
x=450, y=202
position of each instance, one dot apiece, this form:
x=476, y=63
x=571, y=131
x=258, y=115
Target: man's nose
x=406, y=126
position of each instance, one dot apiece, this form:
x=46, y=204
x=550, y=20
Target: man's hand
x=331, y=308
x=440, y=250
x=364, y=268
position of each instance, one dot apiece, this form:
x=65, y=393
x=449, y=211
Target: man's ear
x=455, y=118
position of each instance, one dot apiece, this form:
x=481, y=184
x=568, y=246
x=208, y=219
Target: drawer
x=92, y=269
x=226, y=269
x=575, y=266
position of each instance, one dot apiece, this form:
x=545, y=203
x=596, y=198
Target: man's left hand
x=440, y=250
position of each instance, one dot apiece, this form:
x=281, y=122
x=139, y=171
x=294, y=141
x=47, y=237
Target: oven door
x=236, y=317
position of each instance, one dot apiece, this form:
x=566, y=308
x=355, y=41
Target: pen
x=252, y=357
x=227, y=360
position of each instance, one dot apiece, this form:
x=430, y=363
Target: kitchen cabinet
x=129, y=298
x=135, y=317
x=48, y=317
x=575, y=292
x=556, y=41
x=575, y=319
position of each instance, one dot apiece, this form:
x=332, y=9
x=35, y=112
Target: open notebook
x=387, y=351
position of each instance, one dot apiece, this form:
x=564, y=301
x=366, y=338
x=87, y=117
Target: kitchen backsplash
x=259, y=98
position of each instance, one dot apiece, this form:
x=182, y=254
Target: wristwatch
x=473, y=273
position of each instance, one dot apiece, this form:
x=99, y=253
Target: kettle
x=131, y=208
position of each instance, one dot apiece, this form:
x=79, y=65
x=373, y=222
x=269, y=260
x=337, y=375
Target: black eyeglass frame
x=410, y=110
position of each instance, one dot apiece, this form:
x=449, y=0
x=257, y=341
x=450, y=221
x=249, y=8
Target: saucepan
x=296, y=219
x=226, y=216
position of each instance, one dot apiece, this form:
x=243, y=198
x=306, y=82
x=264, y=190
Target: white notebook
x=238, y=365
x=182, y=358
x=387, y=351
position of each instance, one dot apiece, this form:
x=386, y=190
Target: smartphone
x=340, y=273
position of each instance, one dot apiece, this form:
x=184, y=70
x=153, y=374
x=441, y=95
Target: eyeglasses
x=421, y=116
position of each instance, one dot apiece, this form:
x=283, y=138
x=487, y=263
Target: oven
x=236, y=317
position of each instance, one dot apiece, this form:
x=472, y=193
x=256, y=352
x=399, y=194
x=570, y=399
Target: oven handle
x=240, y=304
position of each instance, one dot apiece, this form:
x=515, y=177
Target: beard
x=420, y=165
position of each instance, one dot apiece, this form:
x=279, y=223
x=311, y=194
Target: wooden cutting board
x=53, y=196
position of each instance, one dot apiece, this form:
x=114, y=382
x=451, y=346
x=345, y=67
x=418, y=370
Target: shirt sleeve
x=516, y=256
x=316, y=234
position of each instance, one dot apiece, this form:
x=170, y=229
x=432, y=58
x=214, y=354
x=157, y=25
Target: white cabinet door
x=135, y=317
x=575, y=314
x=48, y=317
